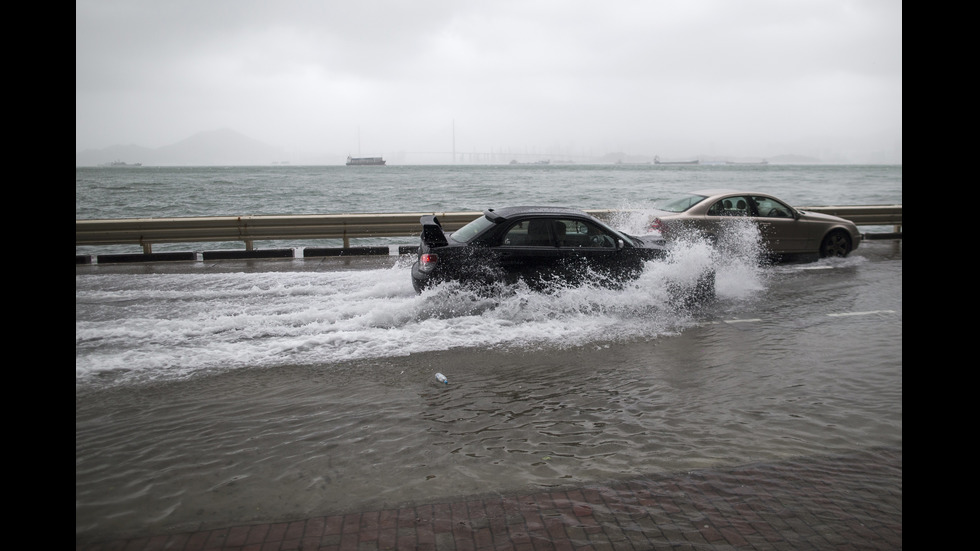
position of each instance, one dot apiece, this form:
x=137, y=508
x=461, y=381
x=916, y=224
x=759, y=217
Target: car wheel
x=836, y=243
x=704, y=291
x=697, y=296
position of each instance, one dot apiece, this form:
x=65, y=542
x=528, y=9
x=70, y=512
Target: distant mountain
x=222, y=147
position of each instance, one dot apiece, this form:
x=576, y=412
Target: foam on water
x=161, y=326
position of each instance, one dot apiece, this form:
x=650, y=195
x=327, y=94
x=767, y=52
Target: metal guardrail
x=870, y=215
x=149, y=231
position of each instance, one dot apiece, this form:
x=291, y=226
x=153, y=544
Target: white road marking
x=756, y=320
x=730, y=321
x=868, y=313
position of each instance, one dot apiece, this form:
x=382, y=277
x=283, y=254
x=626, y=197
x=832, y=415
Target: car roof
x=510, y=212
x=725, y=191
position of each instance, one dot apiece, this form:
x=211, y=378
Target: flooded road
x=795, y=360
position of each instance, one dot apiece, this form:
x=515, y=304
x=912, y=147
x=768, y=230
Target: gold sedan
x=784, y=230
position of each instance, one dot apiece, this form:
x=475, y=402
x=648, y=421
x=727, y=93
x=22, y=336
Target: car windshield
x=680, y=203
x=624, y=236
x=471, y=230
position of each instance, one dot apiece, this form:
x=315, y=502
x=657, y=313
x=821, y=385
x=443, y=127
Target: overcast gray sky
x=684, y=78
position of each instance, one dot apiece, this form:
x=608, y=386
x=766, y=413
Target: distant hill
x=222, y=147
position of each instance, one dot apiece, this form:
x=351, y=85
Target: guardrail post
x=248, y=245
x=147, y=248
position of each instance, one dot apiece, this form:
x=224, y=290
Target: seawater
x=163, y=192
x=221, y=395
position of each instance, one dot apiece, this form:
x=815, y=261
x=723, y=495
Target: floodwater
x=253, y=391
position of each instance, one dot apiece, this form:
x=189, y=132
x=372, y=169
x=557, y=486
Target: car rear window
x=680, y=203
x=471, y=230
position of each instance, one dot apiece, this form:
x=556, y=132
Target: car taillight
x=428, y=261
x=657, y=225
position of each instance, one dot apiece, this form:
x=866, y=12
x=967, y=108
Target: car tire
x=696, y=296
x=836, y=243
x=704, y=290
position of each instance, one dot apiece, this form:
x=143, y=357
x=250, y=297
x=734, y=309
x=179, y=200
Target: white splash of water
x=173, y=325
x=736, y=254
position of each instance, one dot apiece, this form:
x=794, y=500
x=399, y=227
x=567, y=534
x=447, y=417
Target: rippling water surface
x=217, y=395
x=160, y=192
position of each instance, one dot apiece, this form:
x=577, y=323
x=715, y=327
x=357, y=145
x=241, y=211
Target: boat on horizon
x=657, y=161
x=365, y=161
x=120, y=163
x=762, y=162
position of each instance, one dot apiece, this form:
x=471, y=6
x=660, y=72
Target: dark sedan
x=534, y=244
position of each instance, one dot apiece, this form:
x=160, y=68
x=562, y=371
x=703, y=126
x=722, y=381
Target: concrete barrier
x=253, y=253
x=151, y=257
x=312, y=252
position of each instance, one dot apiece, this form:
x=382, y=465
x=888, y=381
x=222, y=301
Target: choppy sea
x=161, y=192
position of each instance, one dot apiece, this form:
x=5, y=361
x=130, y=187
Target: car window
x=730, y=206
x=535, y=232
x=471, y=230
x=516, y=235
x=770, y=208
x=680, y=203
x=582, y=233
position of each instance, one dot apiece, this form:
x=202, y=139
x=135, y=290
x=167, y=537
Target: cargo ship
x=657, y=161
x=365, y=161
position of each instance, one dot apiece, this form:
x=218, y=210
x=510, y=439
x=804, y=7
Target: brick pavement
x=851, y=502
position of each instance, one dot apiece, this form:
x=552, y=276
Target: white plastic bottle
x=442, y=378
